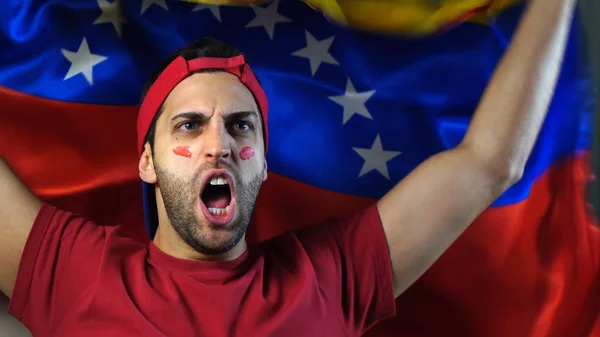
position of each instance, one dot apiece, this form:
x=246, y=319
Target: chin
x=212, y=239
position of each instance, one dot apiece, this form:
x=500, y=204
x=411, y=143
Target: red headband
x=178, y=70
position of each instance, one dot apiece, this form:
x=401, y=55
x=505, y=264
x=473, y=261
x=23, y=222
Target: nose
x=216, y=142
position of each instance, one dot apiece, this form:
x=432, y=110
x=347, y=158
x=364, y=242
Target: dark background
x=590, y=11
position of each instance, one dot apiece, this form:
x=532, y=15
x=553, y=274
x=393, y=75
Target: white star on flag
x=82, y=62
x=267, y=17
x=316, y=52
x=111, y=13
x=376, y=158
x=353, y=102
x=214, y=9
x=147, y=3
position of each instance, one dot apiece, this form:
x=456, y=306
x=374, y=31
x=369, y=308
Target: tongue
x=217, y=201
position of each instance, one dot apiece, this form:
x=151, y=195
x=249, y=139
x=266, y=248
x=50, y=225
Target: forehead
x=209, y=92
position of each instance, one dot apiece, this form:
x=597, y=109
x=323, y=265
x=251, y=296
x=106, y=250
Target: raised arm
x=427, y=211
x=18, y=209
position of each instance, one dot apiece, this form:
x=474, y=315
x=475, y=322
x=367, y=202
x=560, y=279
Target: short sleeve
x=60, y=261
x=353, y=265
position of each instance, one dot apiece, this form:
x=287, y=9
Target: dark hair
x=204, y=47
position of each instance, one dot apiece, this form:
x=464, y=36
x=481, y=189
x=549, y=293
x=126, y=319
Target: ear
x=265, y=171
x=146, y=166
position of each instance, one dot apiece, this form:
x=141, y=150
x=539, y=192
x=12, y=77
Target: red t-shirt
x=77, y=278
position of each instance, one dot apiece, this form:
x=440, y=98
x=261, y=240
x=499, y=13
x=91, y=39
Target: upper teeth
x=218, y=181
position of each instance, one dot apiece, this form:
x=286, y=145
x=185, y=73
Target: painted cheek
x=184, y=151
x=247, y=153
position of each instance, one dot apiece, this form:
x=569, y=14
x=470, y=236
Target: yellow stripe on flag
x=407, y=17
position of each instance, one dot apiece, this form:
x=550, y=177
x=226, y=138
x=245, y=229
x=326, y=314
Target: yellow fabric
x=409, y=17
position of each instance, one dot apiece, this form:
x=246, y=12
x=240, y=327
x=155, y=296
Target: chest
x=279, y=304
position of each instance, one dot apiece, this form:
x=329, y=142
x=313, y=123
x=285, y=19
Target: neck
x=167, y=240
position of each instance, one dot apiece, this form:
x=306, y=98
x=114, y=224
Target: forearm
x=511, y=112
x=18, y=209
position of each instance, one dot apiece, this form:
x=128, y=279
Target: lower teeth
x=218, y=211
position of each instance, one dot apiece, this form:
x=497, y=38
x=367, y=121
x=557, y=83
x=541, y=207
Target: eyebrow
x=189, y=115
x=198, y=116
x=241, y=115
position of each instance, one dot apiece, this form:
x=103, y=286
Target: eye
x=241, y=126
x=188, y=126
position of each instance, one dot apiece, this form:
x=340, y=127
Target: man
x=202, y=137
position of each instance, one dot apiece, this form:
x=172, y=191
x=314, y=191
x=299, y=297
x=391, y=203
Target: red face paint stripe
x=183, y=151
x=247, y=153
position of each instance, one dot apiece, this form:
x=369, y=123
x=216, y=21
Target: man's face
x=205, y=180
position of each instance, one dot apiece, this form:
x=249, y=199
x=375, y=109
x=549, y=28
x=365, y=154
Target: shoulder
x=365, y=219
x=347, y=259
x=60, y=235
x=62, y=258
x=324, y=243
x=54, y=223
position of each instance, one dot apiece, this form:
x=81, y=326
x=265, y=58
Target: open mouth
x=217, y=198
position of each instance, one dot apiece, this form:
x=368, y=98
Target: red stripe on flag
x=81, y=157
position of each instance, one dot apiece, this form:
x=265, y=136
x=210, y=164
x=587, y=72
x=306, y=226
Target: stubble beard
x=180, y=197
